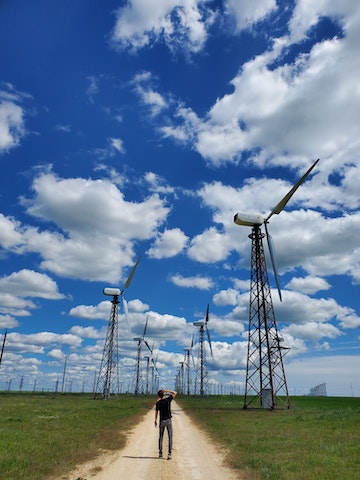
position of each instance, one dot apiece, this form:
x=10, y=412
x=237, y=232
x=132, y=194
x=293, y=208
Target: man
x=163, y=405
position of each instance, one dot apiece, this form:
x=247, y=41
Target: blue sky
x=140, y=128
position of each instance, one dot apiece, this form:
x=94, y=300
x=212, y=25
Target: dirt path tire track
x=194, y=456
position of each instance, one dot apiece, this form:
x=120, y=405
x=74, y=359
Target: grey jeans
x=168, y=424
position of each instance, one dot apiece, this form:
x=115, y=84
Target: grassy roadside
x=317, y=439
x=46, y=435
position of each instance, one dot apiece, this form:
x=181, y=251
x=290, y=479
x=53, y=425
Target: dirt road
x=194, y=457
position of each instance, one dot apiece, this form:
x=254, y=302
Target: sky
x=138, y=129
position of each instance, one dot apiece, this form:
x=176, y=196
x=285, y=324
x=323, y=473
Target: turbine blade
x=280, y=206
x=126, y=311
x=146, y=324
x=209, y=340
x=273, y=260
x=192, y=341
x=148, y=346
x=207, y=314
x=128, y=281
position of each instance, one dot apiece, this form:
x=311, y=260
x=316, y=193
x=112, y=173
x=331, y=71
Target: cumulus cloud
x=28, y=283
x=313, y=332
x=202, y=283
x=209, y=247
x=92, y=312
x=300, y=309
x=37, y=342
x=10, y=235
x=226, y=297
x=308, y=284
x=168, y=244
x=94, y=221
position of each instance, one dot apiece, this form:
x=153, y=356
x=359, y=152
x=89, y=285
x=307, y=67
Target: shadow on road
x=141, y=458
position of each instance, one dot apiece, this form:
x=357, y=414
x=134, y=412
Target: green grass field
x=317, y=439
x=45, y=435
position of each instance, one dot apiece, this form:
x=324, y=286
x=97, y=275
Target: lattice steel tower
x=108, y=378
x=201, y=378
x=265, y=376
x=108, y=381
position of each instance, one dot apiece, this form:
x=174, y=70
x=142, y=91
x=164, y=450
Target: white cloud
x=57, y=354
x=307, y=14
x=248, y=12
x=226, y=297
x=97, y=222
x=202, y=283
x=37, y=342
x=157, y=183
x=7, y=321
x=209, y=247
x=85, y=332
x=9, y=236
x=91, y=312
x=229, y=356
x=137, y=306
x=11, y=125
x=300, y=309
x=168, y=244
x=180, y=24
x=12, y=116
x=28, y=283
x=308, y=284
x=117, y=144
x=313, y=331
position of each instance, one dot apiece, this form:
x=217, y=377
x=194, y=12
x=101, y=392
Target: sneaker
x=160, y=455
x=169, y=456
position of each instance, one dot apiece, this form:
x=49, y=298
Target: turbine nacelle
x=248, y=219
x=112, y=292
x=200, y=323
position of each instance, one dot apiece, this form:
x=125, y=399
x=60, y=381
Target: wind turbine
x=106, y=384
x=154, y=379
x=139, y=341
x=187, y=363
x=202, y=364
x=265, y=375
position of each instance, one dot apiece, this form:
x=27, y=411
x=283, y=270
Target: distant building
x=319, y=390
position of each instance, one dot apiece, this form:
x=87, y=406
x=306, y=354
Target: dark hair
x=161, y=393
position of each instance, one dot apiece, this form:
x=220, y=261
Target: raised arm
x=172, y=392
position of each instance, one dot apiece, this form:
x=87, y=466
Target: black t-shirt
x=163, y=406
